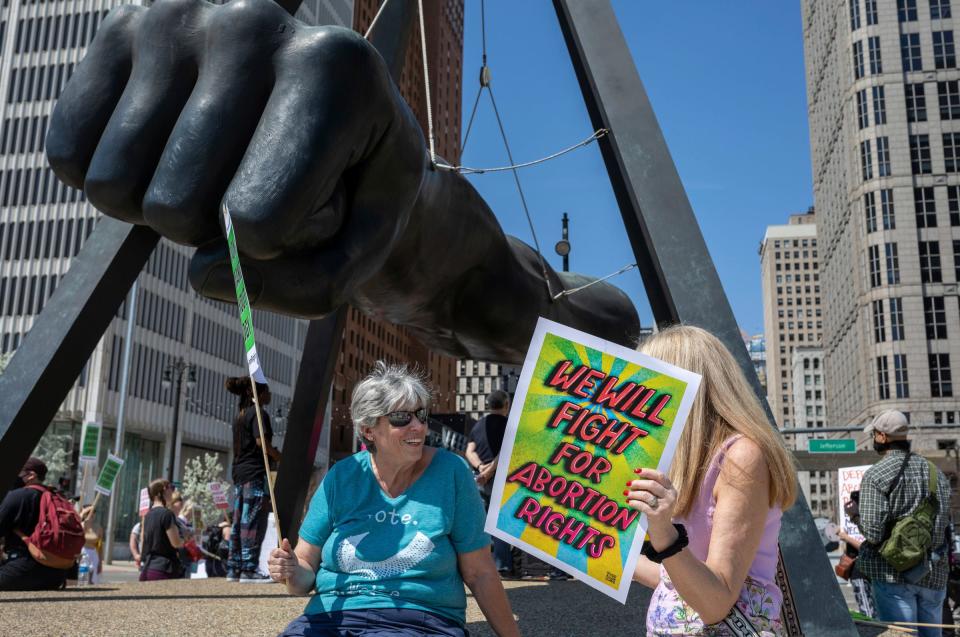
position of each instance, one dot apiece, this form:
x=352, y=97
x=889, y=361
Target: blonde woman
x=714, y=521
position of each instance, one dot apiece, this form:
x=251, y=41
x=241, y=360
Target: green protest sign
x=89, y=441
x=108, y=475
x=243, y=303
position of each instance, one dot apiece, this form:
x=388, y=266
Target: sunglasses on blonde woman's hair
x=403, y=418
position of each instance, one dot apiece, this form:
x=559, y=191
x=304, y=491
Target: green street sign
x=243, y=302
x=108, y=475
x=839, y=445
x=89, y=441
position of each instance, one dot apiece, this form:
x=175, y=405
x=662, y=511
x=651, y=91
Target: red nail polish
x=626, y=492
x=629, y=482
x=638, y=470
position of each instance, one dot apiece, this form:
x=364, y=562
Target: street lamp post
x=563, y=245
x=173, y=376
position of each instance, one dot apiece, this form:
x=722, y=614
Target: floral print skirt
x=669, y=615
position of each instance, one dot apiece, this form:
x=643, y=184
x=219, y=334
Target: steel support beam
x=64, y=335
x=678, y=273
x=305, y=422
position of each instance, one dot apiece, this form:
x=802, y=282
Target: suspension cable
x=426, y=83
x=467, y=170
x=383, y=6
x=625, y=268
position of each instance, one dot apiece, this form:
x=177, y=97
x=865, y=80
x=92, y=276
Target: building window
x=883, y=157
x=879, y=332
x=879, y=106
x=916, y=103
x=873, y=259
x=855, y=14
x=907, y=10
x=956, y=259
x=938, y=9
x=870, y=8
x=896, y=319
x=887, y=213
x=925, y=207
x=953, y=204
x=870, y=210
x=883, y=378
x=940, y=380
x=920, y=154
x=866, y=160
x=900, y=379
x=893, y=263
x=873, y=53
x=909, y=51
x=949, y=98
x=930, y=262
x=863, y=118
x=858, y=60
x=944, y=53
x=951, y=152
x=934, y=317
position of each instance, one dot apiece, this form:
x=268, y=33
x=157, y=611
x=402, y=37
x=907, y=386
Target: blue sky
x=726, y=80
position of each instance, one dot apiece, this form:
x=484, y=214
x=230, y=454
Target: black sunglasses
x=403, y=418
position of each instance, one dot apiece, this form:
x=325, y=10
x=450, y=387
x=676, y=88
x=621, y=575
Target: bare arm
x=849, y=539
x=173, y=534
x=298, y=568
x=135, y=548
x=472, y=457
x=480, y=575
x=646, y=573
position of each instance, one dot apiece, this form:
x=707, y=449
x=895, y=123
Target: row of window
x=944, y=54
x=907, y=10
x=897, y=332
x=34, y=186
x=941, y=384
x=892, y=263
x=160, y=315
x=216, y=339
x=948, y=100
x=168, y=265
x=23, y=296
x=23, y=135
x=925, y=208
x=931, y=266
x=872, y=15
x=35, y=83
x=44, y=238
x=56, y=32
x=146, y=372
x=789, y=314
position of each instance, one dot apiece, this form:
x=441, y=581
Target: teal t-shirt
x=383, y=552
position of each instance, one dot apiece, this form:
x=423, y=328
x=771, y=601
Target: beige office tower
x=883, y=94
x=792, y=316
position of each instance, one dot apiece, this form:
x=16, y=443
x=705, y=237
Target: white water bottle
x=83, y=570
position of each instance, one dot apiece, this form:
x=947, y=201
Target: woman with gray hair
x=393, y=532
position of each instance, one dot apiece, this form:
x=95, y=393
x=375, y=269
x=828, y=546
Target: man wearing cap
x=20, y=511
x=892, y=489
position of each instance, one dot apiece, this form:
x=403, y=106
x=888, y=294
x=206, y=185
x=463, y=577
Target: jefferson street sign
x=841, y=445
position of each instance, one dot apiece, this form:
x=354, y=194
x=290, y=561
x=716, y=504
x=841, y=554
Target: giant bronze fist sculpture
x=301, y=132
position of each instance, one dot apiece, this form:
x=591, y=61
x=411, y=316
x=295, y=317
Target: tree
x=197, y=476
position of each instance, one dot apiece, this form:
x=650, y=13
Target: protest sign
x=586, y=414
x=90, y=441
x=219, y=495
x=243, y=302
x=108, y=475
x=144, y=502
x=848, y=479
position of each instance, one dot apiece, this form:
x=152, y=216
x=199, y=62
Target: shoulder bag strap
x=903, y=467
x=934, y=479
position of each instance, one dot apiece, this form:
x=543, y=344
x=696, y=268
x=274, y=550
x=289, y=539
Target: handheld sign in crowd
x=219, y=495
x=250, y=346
x=849, y=481
x=586, y=414
x=89, y=441
x=108, y=475
x=144, y=502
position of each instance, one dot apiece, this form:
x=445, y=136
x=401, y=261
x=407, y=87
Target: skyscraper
x=792, y=315
x=883, y=103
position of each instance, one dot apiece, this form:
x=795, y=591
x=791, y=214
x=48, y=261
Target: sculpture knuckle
x=247, y=21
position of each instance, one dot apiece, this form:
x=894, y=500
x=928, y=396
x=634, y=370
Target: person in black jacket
x=251, y=497
x=20, y=511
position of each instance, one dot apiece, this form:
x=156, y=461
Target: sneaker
x=233, y=577
x=255, y=578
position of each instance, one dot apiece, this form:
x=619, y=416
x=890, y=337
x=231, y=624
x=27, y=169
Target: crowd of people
x=713, y=520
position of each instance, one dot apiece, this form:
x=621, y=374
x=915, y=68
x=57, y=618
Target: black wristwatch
x=678, y=545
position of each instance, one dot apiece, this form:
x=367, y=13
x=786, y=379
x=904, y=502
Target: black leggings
x=25, y=574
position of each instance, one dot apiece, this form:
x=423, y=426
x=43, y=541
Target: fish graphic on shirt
x=408, y=557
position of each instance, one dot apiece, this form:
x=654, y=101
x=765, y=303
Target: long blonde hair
x=724, y=406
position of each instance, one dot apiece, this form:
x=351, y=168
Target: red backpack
x=58, y=537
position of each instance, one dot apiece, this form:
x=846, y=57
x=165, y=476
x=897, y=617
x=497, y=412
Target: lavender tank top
x=760, y=593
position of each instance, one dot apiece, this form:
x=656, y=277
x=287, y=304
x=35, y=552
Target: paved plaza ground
x=123, y=606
